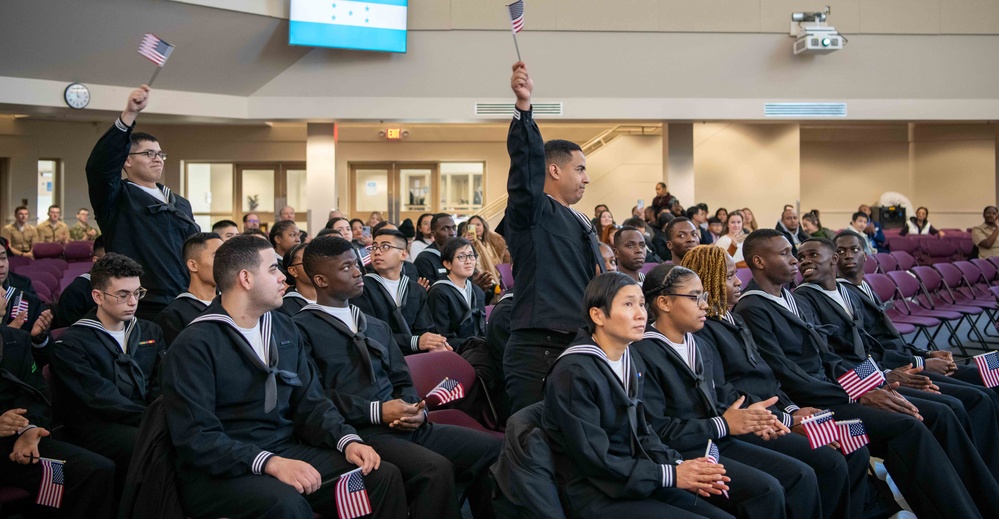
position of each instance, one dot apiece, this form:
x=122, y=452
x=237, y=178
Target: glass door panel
x=209, y=189
x=416, y=191
x=257, y=194
x=461, y=187
x=371, y=191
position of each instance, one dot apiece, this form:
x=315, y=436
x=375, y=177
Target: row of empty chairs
x=54, y=266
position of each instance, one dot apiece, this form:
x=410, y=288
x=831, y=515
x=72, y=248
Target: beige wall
x=622, y=172
x=754, y=165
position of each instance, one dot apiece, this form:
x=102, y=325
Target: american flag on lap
x=53, y=480
x=861, y=379
x=820, y=428
x=351, y=496
x=713, y=456
x=852, y=435
x=448, y=390
x=988, y=367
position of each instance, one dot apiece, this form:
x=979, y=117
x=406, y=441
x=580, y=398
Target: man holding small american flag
x=86, y=487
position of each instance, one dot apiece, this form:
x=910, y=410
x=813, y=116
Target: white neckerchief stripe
x=846, y=306
x=292, y=294
x=85, y=275
x=592, y=349
x=97, y=325
x=401, y=291
x=786, y=300
x=729, y=318
x=265, y=329
x=687, y=349
x=466, y=292
x=355, y=314
x=9, y=294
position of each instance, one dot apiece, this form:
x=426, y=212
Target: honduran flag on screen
x=988, y=367
x=378, y=25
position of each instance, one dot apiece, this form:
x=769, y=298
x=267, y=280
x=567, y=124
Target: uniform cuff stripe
x=120, y=125
x=788, y=420
x=414, y=343
x=258, y=463
x=347, y=439
x=919, y=362
x=376, y=412
x=721, y=426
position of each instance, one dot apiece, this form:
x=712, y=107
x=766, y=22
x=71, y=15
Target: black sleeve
x=317, y=421
x=18, y=360
x=526, y=182
x=104, y=169
x=425, y=267
x=440, y=312
x=333, y=377
x=170, y=321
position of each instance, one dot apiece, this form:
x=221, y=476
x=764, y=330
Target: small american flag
x=852, y=435
x=820, y=429
x=365, y=256
x=713, y=456
x=50, y=491
x=21, y=306
x=155, y=49
x=516, y=15
x=988, y=367
x=351, y=496
x=861, y=379
x=448, y=390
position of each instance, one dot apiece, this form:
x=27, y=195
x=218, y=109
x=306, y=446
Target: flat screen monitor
x=377, y=25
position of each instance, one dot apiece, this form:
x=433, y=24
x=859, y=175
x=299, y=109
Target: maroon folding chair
x=745, y=275
x=79, y=251
x=58, y=263
x=902, y=244
x=506, y=275
x=871, y=265
x=904, y=259
x=13, y=501
x=989, y=272
x=887, y=292
x=908, y=289
x=18, y=261
x=884, y=262
x=938, y=251
x=935, y=294
x=46, y=250
x=429, y=369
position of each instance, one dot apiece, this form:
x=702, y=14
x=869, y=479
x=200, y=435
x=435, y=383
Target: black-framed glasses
x=151, y=154
x=466, y=257
x=700, y=299
x=123, y=298
x=384, y=247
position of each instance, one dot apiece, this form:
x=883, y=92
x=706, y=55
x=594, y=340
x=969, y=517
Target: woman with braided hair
x=740, y=371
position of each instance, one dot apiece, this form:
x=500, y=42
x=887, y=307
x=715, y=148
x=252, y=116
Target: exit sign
x=393, y=134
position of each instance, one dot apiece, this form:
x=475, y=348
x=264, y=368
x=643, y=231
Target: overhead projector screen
x=378, y=25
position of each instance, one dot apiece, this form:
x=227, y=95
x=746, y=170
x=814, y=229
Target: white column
x=678, y=161
x=320, y=173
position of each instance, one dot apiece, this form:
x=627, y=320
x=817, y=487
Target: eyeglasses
x=700, y=299
x=151, y=154
x=466, y=257
x=123, y=298
x=384, y=247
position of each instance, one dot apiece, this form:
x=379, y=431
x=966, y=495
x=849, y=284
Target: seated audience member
x=366, y=376
x=649, y=215
x=254, y=434
x=790, y=228
x=608, y=460
x=715, y=228
x=646, y=230
x=605, y=221
x=360, y=238
x=813, y=226
x=250, y=221
x=283, y=237
x=888, y=346
x=429, y=264
x=681, y=236
x=286, y=213
x=226, y=229
x=375, y=218
x=663, y=199
x=303, y=292
x=82, y=230
x=20, y=235
x=985, y=235
x=677, y=210
x=945, y=479
x=397, y=299
x=342, y=227
x=457, y=305
x=53, y=230
x=920, y=225
x=722, y=215
x=629, y=249
x=858, y=223
x=22, y=308
x=873, y=230
x=199, y=256
x=335, y=213
x=597, y=211
x=699, y=217
x=609, y=233
x=424, y=236
x=76, y=300
x=490, y=246
x=739, y=372
x=257, y=233
x=749, y=223
x=658, y=242
x=106, y=365
x=25, y=421
x=683, y=410
x=832, y=304
x=731, y=242
x=610, y=260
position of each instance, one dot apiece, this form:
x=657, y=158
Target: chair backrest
x=973, y=275
x=18, y=261
x=905, y=260
x=989, y=271
x=46, y=250
x=902, y=243
x=58, y=263
x=951, y=275
x=871, y=266
x=938, y=250
x=506, y=275
x=994, y=260
x=647, y=267
x=42, y=277
x=885, y=261
x=934, y=284
x=882, y=285
x=745, y=275
x=907, y=284
x=429, y=369
x=43, y=292
x=995, y=292
x=963, y=244
x=78, y=251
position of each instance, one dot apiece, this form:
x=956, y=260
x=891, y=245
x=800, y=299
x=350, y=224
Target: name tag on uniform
x=442, y=271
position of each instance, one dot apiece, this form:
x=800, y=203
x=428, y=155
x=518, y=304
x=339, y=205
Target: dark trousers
x=526, y=360
x=765, y=484
x=936, y=479
x=668, y=502
x=842, y=480
x=114, y=441
x=432, y=458
x=266, y=497
x=87, y=489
